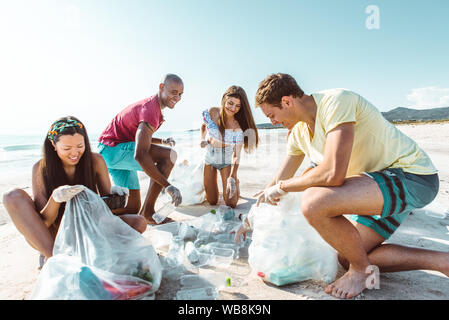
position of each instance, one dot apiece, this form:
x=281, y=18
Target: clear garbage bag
x=285, y=248
x=97, y=255
x=188, y=178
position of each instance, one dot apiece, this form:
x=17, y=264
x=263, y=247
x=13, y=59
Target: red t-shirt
x=123, y=127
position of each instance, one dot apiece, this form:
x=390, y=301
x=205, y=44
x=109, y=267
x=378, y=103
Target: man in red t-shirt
x=127, y=145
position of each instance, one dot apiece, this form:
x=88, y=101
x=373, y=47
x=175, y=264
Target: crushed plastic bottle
x=167, y=208
x=207, y=293
x=175, y=255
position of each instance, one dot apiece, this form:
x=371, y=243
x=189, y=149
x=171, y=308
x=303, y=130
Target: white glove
x=231, y=187
x=65, y=193
x=169, y=142
x=175, y=194
x=270, y=195
x=121, y=191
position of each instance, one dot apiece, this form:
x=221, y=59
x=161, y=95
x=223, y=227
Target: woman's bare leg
x=28, y=221
x=210, y=184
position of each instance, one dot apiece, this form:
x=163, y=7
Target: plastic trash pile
x=98, y=256
x=197, y=245
x=285, y=248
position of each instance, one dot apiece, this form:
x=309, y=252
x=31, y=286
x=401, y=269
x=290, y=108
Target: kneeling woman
x=228, y=128
x=67, y=161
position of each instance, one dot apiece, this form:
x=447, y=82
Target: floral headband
x=59, y=126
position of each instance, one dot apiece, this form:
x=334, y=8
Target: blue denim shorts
x=219, y=158
x=402, y=192
x=121, y=164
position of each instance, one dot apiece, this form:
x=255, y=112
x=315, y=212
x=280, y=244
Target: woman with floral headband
x=67, y=163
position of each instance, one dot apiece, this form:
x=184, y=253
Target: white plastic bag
x=188, y=178
x=285, y=248
x=97, y=255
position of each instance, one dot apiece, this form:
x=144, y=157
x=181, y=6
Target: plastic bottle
x=217, y=279
x=287, y=275
x=191, y=253
x=187, y=232
x=167, y=208
x=207, y=293
x=175, y=255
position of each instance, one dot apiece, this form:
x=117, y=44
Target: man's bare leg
x=324, y=207
x=395, y=258
x=165, y=159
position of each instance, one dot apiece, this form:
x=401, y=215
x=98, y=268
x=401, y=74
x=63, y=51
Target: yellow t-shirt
x=378, y=144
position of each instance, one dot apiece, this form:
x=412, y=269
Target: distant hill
x=412, y=115
x=268, y=126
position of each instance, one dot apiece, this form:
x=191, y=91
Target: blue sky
x=92, y=58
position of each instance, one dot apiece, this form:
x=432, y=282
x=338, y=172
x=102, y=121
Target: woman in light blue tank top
x=224, y=132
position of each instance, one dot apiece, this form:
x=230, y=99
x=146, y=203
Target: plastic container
x=207, y=293
x=221, y=245
x=167, y=208
x=162, y=235
x=217, y=279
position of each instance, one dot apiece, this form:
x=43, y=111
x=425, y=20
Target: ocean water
x=19, y=153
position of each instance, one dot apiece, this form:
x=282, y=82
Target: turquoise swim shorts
x=402, y=192
x=121, y=164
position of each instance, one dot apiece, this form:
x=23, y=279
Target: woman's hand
x=66, y=193
x=203, y=143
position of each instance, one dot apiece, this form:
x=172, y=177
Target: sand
x=19, y=262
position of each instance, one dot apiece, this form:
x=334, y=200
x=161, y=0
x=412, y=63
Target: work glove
x=65, y=193
x=270, y=195
x=121, y=191
x=169, y=142
x=175, y=194
x=231, y=187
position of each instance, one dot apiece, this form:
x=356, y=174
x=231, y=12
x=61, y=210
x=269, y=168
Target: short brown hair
x=274, y=87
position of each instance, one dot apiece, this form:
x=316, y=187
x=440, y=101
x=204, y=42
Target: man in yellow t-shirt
x=363, y=166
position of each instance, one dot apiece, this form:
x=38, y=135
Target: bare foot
x=151, y=221
x=350, y=285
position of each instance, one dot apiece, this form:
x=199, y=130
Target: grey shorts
x=219, y=158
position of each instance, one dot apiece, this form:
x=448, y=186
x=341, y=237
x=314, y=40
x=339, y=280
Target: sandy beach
x=19, y=262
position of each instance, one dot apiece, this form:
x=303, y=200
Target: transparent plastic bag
x=285, y=248
x=94, y=243
x=188, y=178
